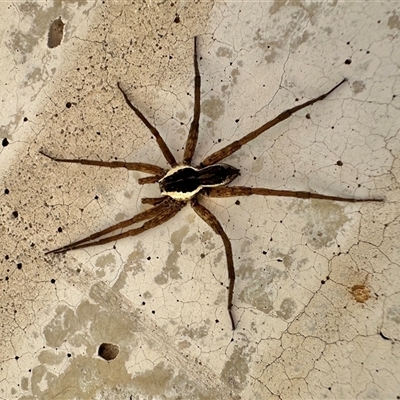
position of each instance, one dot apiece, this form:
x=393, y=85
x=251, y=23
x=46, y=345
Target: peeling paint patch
x=163, y=381
x=171, y=269
x=258, y=292
x=236, y=369
x=104, y=262
x=213, y=107
x=224, y=52
x=325, y=219
x=287, y=309
x=358, y=86
x=394, y=21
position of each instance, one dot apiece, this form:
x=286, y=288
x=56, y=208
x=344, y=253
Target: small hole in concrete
x=108, y=351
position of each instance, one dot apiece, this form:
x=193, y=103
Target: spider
x=184, y=183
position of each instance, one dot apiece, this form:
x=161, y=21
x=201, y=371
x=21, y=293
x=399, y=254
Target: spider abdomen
x=184, y=181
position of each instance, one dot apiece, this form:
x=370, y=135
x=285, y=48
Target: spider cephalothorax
x=184, y=183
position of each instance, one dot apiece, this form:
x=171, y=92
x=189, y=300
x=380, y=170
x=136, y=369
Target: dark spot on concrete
x=56, y=32
x=361, y=293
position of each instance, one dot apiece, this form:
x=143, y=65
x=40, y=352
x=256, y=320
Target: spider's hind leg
x=153, y=200
x=155, y=216
x=231, y=191
x=212, y=221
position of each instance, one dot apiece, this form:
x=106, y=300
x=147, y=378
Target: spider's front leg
x=237, y=144
x=160, y=141
x=212, y=221
x=132, y=166
x=191, y=142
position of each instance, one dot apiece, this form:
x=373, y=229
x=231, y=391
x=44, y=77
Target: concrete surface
x=317, y=290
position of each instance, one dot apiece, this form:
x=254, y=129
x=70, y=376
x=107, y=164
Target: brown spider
x=184, y=183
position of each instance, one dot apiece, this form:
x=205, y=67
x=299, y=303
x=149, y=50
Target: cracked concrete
x=316, y=293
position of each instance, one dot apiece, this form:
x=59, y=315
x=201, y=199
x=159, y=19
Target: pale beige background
x=301, y=333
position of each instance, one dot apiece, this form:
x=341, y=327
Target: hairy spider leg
x=230, y=191
x=144, y=215
x=132, y=166
x=153, y=200
x=160, y=141
x=150, y=179
x=236, y=145
x=191, y=142
x=212, y=221
x=156, y=216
